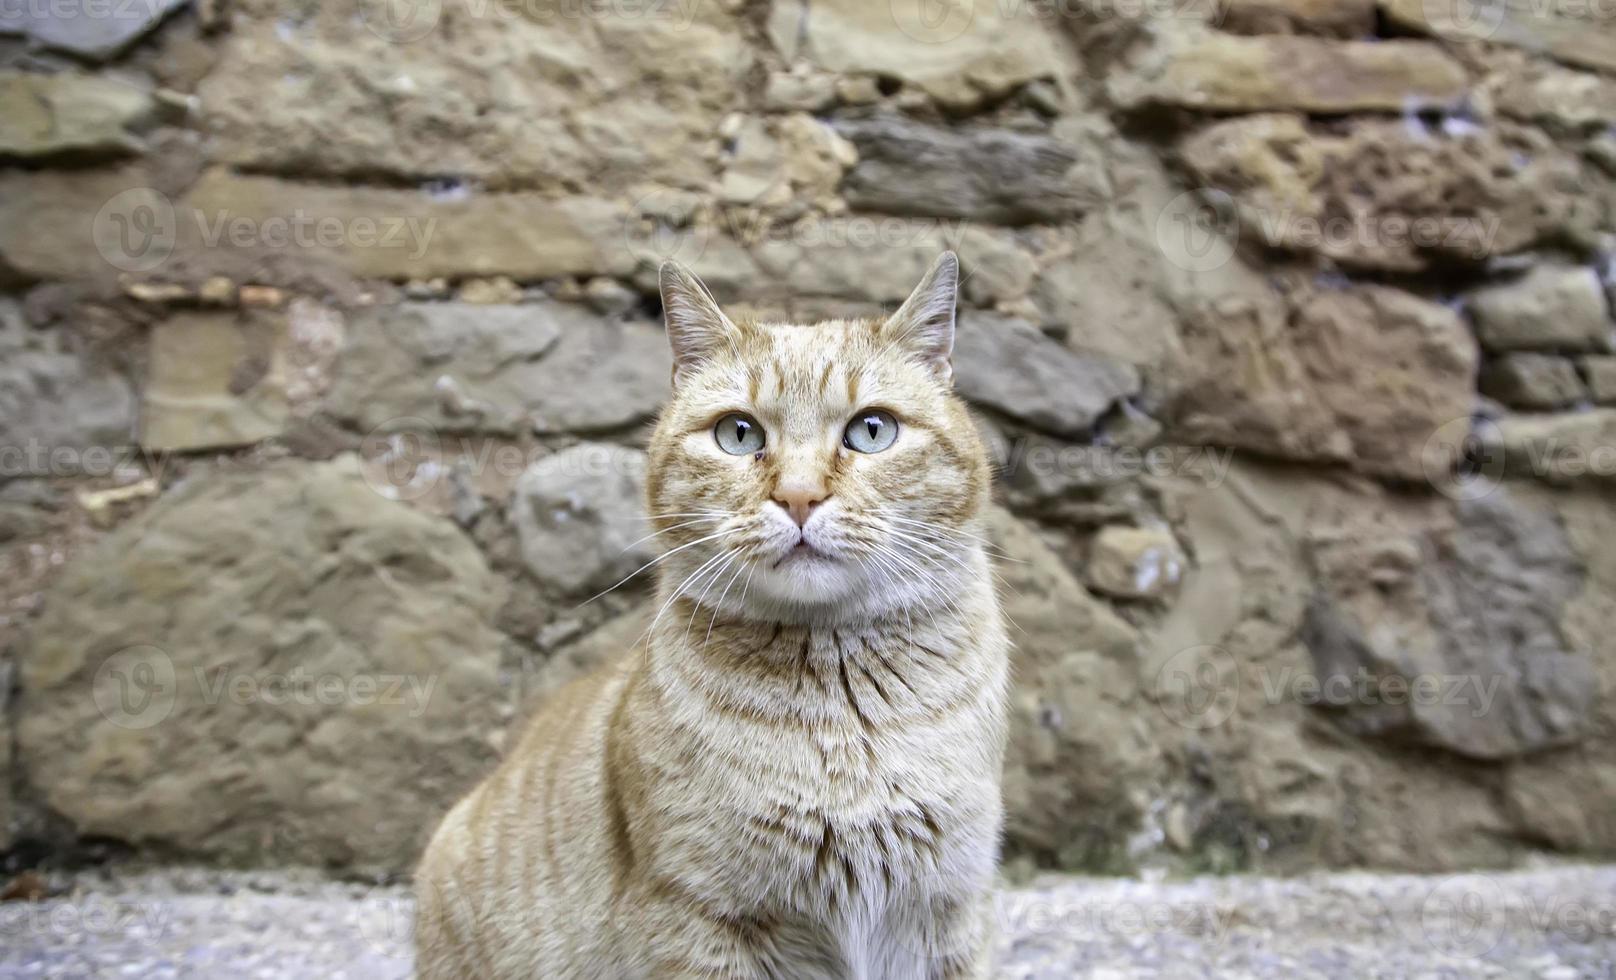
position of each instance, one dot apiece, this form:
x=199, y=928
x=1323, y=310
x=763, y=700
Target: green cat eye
x=870, y=431
x=738, y=434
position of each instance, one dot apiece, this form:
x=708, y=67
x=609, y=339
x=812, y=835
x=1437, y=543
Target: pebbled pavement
x=1551, y=923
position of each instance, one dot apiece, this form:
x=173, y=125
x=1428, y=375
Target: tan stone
x=70, y=112
x=266, y=297
x=1135, y=562
x=791, y=160
x=1536, y=382
x=1384, y=194
x=1601, y=374
x=484, y=292
x=1362, y=376
x=157, y=292
x=1076, y=696
x=1563, y=449
x=1552, y=307
x=103, y=505
x=1343, y=18
x=502, y=94
x=799, y=91
x=219, y=290
x=1532, y=90
x=260, y=650
x=50, y=229
x=1588, y=42
x=1194, y=68
x=393, y=234
x=214, y=380
x=977, y=50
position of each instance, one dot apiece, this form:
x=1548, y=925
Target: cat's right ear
x=696, y=326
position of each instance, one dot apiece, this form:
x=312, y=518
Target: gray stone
x=89, y=30
x=1601, y=374
x=215, y=380
x=70, y=112
x=1006, y=364
x=996, y=269
x=544, y=367
x=580, y=516
x=991, y=175
x=6, y=669
x=1540, y=382
x=1550, y=308
x=1466, y=621
x=269, y=665
x=60, y=414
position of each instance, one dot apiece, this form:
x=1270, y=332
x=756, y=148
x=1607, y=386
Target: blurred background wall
x=329, y=336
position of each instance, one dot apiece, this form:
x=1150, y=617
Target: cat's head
x=816, y=470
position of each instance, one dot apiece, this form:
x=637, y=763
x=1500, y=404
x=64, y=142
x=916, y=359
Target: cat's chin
x=808, y=585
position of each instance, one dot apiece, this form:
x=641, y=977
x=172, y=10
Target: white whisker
x=662, y=557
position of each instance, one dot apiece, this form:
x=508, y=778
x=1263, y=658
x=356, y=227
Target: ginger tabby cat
x=795, y=772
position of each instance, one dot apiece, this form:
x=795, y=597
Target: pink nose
x=799, y=502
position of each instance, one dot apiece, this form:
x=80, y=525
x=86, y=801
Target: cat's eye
x=738, y=434
x=871, y=431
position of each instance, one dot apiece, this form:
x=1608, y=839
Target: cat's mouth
x=800, y=551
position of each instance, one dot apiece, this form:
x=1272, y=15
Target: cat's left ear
x=924, y=324
x=696, y=326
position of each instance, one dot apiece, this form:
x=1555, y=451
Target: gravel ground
x=1554, y=923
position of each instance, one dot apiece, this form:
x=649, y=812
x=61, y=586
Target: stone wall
x=329, y=336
